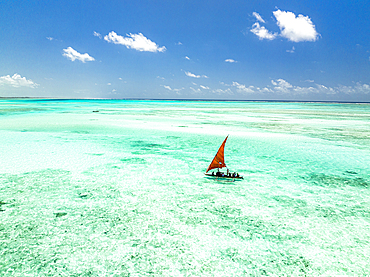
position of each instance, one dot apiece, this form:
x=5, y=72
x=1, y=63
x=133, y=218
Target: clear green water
x=121, y=192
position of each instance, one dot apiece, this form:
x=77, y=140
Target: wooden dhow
x=218, y=163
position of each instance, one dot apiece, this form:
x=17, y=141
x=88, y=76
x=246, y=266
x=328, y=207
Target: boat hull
x=223, y=177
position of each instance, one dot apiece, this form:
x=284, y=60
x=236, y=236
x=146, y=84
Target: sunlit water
x=117, y=188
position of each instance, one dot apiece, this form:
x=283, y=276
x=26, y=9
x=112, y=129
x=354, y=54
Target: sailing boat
x=219, y=162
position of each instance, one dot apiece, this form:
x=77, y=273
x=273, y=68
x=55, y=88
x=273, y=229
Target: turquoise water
x=121, y=192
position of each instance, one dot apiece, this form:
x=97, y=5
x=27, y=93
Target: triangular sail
x=219, y=160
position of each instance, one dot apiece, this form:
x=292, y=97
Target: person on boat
x=218, y=173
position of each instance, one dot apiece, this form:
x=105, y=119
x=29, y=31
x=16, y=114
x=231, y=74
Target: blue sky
x=246, y=50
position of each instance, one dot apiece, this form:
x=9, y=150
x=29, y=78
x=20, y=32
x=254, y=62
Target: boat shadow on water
x=223, y=179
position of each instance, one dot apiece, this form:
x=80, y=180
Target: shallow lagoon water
x=121, y=192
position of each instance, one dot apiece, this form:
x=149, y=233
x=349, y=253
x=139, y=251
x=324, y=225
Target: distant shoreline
x=190, y=100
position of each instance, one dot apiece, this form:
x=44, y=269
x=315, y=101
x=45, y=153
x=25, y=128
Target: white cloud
x=197, y=90
x=96, y=34
x=176, y=90
x=50, y=38
x=223, y=91
x=243, y=88
x=264, y=90
x=357, y=89
x=258, y=17
x=186, y=57
x=294, y=28
x=284, y=88
x=291, y=51
x=17, y=81
x=262, y=32
x=135, y=41
x=204, y=87
x=189, y=74
x=73, y=55
x=365, y=88
x=324, y=89
x=230, y=61
x=281, y=85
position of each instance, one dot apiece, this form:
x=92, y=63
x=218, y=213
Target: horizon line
x=185, y=99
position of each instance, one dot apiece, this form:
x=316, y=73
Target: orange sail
x=219, y=160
